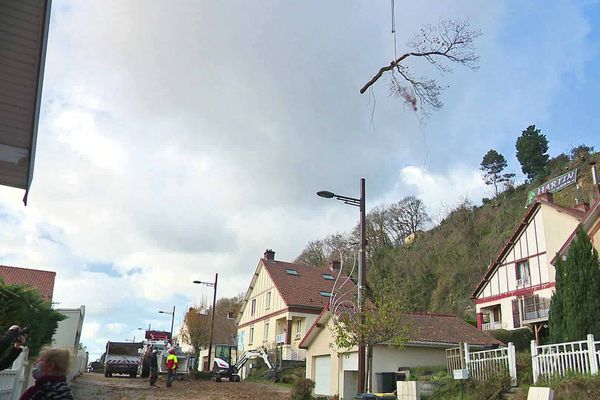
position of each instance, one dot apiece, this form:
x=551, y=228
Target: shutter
x=516, y=314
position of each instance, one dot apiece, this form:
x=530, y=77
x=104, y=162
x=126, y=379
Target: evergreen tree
x=532, y=152
x=492, y=165
x=575, y=306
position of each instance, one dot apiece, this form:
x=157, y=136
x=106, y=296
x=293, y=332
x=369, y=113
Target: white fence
x=11, y=380
x=484, y=364
x=79, y=365
x=558, y=359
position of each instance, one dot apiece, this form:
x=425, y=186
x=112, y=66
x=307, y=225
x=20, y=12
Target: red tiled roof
x=425, y=328
x=302, y=290
x=42, y=281
x=527, y=218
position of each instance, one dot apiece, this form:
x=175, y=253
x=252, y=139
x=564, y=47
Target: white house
x=516, y=289
x=282, y=302
x=335, y=372
x=68, y=335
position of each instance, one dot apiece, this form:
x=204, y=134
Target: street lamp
x=172, y=314
x=362, y=273
x=212, y=318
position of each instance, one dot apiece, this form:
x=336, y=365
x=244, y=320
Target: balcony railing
x=523, y=282
x=490, y=326
x=280, y=339
x=535, y=308
x=290, y=354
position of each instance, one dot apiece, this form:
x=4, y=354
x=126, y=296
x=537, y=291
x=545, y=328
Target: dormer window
x=291, y=271
x=325, y=294
x=328, y=277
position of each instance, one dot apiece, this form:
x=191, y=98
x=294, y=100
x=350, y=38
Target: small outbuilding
x=335, y=371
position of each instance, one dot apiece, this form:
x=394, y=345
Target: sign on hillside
x=554, y=185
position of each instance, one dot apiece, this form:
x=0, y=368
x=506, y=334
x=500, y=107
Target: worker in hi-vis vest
x=171, y=367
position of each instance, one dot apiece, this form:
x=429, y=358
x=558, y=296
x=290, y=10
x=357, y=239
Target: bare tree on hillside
x=408, y=216
x=450, y=41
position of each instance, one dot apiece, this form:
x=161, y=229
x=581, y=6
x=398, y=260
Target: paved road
x=93, y=386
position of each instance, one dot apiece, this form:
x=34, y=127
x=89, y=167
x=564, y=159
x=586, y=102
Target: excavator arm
x=252, y=354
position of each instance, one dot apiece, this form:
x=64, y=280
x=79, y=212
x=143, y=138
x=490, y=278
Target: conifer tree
x=532, y=152
x=575, y=306
x=492, y=165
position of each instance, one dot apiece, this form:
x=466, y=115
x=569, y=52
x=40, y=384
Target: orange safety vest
x=172, y=361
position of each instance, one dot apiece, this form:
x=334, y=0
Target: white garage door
x=323, y=375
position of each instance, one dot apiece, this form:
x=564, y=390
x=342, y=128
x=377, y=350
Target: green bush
x=524, y=371
x=302, y=390
x=490, y=389
x=521, y=338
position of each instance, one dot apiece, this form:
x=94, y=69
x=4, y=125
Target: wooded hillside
x=439, y=270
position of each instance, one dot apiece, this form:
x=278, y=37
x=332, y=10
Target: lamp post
x=362, y=273
x=212, y=318
x=172, y=319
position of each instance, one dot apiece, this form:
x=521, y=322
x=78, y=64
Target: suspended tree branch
x=450, y=41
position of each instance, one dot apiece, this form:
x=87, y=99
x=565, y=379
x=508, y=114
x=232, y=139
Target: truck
x=122, y=358
x=161, y=342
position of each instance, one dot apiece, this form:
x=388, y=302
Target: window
x=522, y=273
x=328, y=277
x=291, y=271
x=298, y=328
x=266, y=336
x=268, y=301
x=325, y=294
x=251, y=336
x=253, y=309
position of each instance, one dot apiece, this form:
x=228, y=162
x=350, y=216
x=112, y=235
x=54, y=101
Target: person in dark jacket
x=49, y=372
x=14, y=339
x=153, y=367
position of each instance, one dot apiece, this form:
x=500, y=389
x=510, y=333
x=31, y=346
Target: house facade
x=335, y=371
x=516, y=289
x=282, y=302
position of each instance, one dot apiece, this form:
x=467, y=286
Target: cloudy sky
x=182, y=139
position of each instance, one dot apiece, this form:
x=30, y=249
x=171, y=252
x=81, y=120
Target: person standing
x=153, y=367
x=49, y=372
x=171, y=367
x=14, y=338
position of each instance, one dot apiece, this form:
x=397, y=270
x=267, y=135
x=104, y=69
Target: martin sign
x=553, y=186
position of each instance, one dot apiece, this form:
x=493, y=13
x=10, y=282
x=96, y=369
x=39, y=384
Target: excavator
x=223, y=366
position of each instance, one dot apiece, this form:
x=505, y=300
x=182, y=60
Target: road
x=91, y=386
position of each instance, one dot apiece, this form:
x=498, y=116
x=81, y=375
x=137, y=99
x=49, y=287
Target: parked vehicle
x=160, y=341
x=122, y=358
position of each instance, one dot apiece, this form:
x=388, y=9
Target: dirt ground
x=96, y=387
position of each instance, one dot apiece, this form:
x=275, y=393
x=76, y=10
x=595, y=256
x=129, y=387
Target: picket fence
x=11, y=380
x=78, y=367
x=485, y=363
x=554, y=360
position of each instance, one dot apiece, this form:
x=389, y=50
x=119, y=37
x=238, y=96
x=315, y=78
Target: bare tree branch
x=450, y=41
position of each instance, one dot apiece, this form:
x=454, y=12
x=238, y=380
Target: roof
x=587, y=222
x=303, y=289
x=527, y=218
x=42, y=281
x=424, y=329
x=22, y=54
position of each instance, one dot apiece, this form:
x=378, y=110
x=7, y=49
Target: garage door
x=322, y=375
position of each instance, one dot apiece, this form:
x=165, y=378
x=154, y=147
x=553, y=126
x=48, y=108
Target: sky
x=179, y=140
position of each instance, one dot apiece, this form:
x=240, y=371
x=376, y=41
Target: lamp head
x=326, y=194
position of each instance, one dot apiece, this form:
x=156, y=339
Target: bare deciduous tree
x=450, y=41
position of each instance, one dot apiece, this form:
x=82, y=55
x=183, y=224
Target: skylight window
x=325, y=294
x=328, y=277
x=291, y=271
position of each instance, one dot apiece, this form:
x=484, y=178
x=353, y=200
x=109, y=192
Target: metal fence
x=554, y=360
x=11, y=380
x=485, y=363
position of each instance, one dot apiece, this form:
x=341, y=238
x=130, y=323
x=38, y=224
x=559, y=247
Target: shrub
x=521, y=338
x=302, y=390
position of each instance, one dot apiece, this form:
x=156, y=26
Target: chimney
x=595, y=186
x=546, y=196
x=583, y=206
x=269, y=254
x=335, y=266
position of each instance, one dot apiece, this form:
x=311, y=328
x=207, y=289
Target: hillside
x=439, y=270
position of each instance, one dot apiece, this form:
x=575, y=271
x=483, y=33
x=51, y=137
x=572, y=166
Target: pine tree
x=492, y=165
x=575, y=306
x=532, y=148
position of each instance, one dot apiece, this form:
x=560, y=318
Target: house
x=68, y=335
x=516, y=288
x=335, y=372
x=591, y=224
x=282, y=302
x=41, y=281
